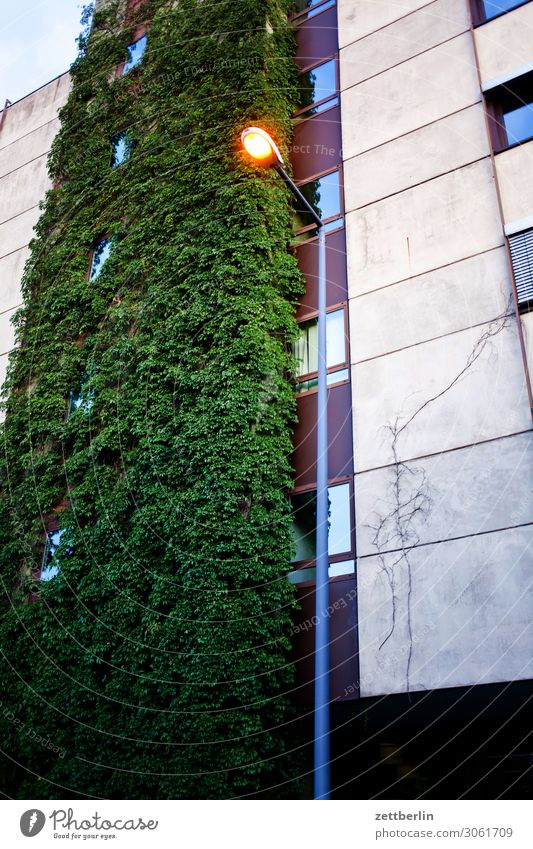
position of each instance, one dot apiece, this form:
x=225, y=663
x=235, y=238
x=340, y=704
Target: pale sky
x=38, y=42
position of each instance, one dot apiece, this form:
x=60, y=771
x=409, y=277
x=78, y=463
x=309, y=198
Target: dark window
x=510, y=111
x=308, y=8
x=306, y=350
x=318, y=84
x=135, y=54
x=485, y=10
x=324, y=195
x=121, y=147
x=304, y=523
x=50, y=567
x=99, y=255
x=521, y=246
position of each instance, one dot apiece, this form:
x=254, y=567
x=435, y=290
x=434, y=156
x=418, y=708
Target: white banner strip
x=268, y=825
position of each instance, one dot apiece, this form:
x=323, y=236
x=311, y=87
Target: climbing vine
x=156, y=662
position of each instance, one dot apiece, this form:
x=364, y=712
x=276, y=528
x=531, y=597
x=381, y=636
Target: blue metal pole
x=321, y=737
x=322, y=778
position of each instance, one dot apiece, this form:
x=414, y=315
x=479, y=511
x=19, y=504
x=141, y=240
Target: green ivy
x=157, y=663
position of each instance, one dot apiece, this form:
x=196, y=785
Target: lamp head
x=261, y=147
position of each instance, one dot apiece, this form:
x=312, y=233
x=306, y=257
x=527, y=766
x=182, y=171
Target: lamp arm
x=298, y=195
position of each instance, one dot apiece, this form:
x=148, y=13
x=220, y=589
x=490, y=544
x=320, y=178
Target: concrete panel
x=18, y=232
x=514, y=168
x=7, y=333
x=34, y=110
x=434, y=224
x=443, y=146
x=472, y=490
x=11, y=268
x=452, y=298
x=24, y=188
x=448, y=393
x=29, y=147
x=415, y=93
x=505, y=43
x=402, y=40
x=359, y=19
x=467, y=621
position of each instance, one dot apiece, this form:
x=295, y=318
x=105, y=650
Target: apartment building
x=27, y=129
x=414, y=143
x=431, y=103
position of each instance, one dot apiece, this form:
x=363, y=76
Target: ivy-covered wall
x=156, y=663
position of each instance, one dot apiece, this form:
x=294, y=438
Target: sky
x=38, y=42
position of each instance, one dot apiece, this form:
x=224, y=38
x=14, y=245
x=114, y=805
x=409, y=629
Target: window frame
x=338, y=367
x=303, y=237
x=140, y=32
x=124, y=133
x=99, y=241
x=495, y=100
x=340, y=217
x=525, y=306
x=296, y=565
x=332, y=103
x=46, y=548
x=85, y=404
x=51, y=526
x=297, y=18
x=479, y=16
x=334, y=57
x=497, y=131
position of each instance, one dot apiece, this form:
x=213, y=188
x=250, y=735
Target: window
x=306, y=350
x=304, y=523
x=135, y=54
x=332, y=378
x=121, y=148
x=99, y=255
x=50, y=567
x=81, y=398
x=519, y=123
x=300, y=576
x=315, y=110
x=324, y=195
x=521, y=247
x=308, y=8
x=510, y=111
x=318, y=84
x=485, y=10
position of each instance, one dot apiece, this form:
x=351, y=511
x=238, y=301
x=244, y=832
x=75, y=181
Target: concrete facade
x=26, y=134
x=442, y=420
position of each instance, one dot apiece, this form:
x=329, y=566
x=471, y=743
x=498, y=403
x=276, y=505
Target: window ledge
x=518, y=226
x=512, y=74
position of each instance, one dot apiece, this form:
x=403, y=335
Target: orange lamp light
x=261, y=146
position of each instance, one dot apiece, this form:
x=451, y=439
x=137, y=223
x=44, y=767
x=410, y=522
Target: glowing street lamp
x=264, y=151
x=260, y=146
